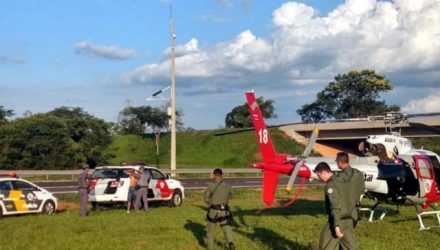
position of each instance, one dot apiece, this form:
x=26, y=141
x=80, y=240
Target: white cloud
x=192, y=46
x=105, y=51
x=231, y=59
x=306, y=48
x=424, y=105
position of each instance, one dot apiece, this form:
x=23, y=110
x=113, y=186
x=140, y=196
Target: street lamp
x=173, y=97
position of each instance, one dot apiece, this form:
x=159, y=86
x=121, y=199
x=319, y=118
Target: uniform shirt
x=356, y=186
x=338, y=204
x=221, y=195
x=82, y=180
x=356, y=182
x=143, y=178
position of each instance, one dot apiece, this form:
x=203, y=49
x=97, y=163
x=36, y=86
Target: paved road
x=71, y=186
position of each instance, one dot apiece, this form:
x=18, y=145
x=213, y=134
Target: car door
x=7, y=203
x=29, y=198
x=159, y=185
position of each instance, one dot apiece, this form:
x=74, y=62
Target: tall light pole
x=173, y=97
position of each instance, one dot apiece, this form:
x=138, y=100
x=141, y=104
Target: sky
x=103, y=55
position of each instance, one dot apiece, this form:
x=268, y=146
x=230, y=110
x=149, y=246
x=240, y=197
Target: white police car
x=18, y=196
x=110, y=184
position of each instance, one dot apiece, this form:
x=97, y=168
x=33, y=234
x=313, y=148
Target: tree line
x=68, y=136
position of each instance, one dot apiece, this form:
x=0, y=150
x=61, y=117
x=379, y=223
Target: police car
x=109, y=185
x=18, y=196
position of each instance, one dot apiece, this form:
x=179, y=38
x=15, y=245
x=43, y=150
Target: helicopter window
x=424, y=168
x=434, y=161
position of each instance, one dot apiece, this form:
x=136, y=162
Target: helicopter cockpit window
x=424, y=168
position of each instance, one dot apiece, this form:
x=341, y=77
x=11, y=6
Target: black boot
x=231, y=246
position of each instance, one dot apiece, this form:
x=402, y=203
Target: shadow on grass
x=300, y=207
x=272, y=240
x=197, y=229
x=269, y=238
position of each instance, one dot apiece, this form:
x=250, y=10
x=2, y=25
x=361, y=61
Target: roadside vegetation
x=295, y=227
x=198, y=149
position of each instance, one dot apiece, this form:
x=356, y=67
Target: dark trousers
x=83, y=198
x=329, y=241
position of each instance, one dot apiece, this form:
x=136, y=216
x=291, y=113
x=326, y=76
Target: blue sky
x=103, y=54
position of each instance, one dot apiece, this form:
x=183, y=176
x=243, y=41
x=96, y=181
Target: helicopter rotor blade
x=422, y=115
x=302, y=158
x=250, y=129
x=234, y=132
x=425, y=127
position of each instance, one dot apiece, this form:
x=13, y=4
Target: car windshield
x=108, y=174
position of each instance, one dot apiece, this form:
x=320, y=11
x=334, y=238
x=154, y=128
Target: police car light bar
x=11, y=174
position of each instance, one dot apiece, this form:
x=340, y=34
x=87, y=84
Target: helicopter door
x=424, y=174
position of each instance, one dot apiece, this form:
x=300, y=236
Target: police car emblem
x=30, y=197
x=162, y=185
x=330, y=190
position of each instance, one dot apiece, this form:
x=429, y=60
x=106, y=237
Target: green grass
x=198, y=149
x=295, y=227
x=432, y=143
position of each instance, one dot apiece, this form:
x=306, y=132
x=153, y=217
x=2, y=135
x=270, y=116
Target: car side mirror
x=167, y=176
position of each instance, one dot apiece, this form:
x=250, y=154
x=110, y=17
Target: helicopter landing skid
x=420, y=216
x=372, y=210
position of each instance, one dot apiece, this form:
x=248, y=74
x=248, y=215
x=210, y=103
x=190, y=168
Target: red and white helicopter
x=407, y=176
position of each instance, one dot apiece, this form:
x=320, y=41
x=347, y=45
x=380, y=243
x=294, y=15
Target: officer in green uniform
x=355, y=180
x=217, y=197
x=339, y=206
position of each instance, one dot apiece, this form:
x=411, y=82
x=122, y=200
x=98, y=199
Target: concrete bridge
x=337, y=136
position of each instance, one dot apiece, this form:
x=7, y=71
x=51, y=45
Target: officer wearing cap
x=142, y=188
x=217, y=197
x=83, y=190
x=354, y=179
x=339, y=207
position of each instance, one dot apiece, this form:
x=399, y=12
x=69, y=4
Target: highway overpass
x=336, y=136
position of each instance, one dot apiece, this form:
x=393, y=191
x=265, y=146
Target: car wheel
x=176, y=199
x=49, y=207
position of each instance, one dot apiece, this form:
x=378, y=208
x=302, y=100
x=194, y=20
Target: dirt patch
x=67, y=205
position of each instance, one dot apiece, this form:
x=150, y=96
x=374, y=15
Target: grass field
x=295, y=227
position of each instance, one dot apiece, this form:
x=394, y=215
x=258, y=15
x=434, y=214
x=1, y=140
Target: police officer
x=339, y=206
x=355, y=180
x=142, y=188
x=217, y=197
x=83, y=190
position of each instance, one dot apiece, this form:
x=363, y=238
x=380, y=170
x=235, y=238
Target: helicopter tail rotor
x=301, y=158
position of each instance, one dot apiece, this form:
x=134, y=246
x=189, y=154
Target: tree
x=351, y=95
x=38, y=142
x=90, y=133
x=5, y=113
x=240, y=117
x=137, y=120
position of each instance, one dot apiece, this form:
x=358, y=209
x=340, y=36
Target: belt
x=219, y=206
x=346, y=217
